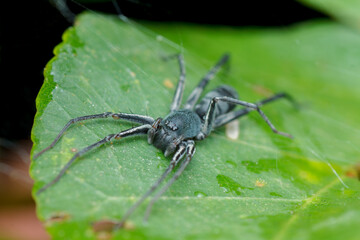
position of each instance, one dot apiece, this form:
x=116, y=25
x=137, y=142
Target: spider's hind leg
x=175, y=105
x=209, y=118
x=230, y=116
x=195, y=94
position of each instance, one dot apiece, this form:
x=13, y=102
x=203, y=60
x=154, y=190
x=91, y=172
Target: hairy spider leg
x=179, y=154
x=175, y=105
x=195, y=94
x=190, y=151
x=210, y=115
x=230, y=116
x=124, y=116
x=126, y=133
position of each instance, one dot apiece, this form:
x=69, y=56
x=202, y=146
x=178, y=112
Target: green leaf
x=259, y=186
x=346, y=11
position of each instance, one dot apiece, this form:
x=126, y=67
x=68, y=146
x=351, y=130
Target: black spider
x=178, y=130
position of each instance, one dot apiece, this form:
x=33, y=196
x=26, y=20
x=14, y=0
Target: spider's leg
x=230, y=116
x=180, y=86
x=126, y=133
x=190, y=151
x=210, y=115
x=195, y=94
x=125, y=116
x=179, y=154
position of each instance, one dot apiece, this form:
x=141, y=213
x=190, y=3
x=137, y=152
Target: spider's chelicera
x=175, y=134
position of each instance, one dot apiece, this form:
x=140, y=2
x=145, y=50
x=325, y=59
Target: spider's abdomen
x=182, y=124
x=221, y=107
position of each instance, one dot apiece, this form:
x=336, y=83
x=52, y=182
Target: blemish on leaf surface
x=167, y=83
x=260, y=183
x=58, y=217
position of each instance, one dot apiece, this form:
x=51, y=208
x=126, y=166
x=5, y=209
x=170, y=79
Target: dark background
x=29, y=30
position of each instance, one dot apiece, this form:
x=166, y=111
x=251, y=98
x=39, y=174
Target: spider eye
x=171, y=125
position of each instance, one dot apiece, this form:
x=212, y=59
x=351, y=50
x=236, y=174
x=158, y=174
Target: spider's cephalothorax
x=178, y=126
x=177, y=132
x=184, y=124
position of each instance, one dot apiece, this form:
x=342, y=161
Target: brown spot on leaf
x=167, y=83
x=354, y=172
x=58, y=217
x=351, y=173
x=104, y=225
x=260, y=183
x=107, y=226
x=262, y=90
x=357, y=169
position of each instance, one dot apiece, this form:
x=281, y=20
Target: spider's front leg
x=140, y=130
x=209, y=119
x=136, y=118
x=190, y=151
x=179, y=154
